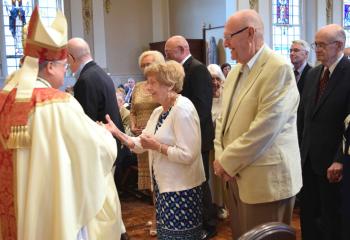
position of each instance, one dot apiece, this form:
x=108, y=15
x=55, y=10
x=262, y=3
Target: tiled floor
x=137, y=212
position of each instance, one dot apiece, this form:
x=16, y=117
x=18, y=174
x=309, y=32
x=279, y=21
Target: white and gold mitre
x=46, y=43
x=42, y=44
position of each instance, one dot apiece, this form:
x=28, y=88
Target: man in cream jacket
x=256, y=145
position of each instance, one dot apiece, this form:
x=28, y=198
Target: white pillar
x=321, y=14
x=338, y=12
x=76, y=17
x=264, y=9
x=160, y=20
x=99, y=35
x=243, y=4
x=231, y=7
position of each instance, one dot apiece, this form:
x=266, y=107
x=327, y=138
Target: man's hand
x=220, y=171
x=335, y=172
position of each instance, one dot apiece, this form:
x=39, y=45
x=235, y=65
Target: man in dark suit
x=299, y=54
x=325, y=104
x=94, y=90
x=197, y=87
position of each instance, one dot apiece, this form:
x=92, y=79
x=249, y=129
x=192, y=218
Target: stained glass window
x=15, y=14
x=286, y=24
x=346, y=21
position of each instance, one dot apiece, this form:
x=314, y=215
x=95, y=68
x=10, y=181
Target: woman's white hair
x=215, y=69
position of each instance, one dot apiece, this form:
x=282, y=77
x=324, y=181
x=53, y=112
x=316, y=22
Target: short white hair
x=302, y=43
x=215, y=69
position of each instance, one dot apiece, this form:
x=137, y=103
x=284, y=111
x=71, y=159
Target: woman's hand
x=149, y=142
x=110, y=126
x=136, y=131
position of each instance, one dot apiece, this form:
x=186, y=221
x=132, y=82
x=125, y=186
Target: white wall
x=187, y=16
x=128, y=32
x=160, y=14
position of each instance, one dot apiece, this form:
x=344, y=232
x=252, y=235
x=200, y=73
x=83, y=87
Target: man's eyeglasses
x=321, y=45
x=64, y=64
x=295, y=50
x=228, y=37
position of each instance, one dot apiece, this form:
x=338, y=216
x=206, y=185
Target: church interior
x=119, y=31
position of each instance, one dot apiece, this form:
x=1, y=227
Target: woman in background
x=142, y=105
x=225, y=68
x=216, y=184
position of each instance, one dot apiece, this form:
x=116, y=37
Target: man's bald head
x=177, y=48
x=248, y=18
x=330, y=42
x=78, y=47
x=78, y=53
x=244, y=35
x=178, y=41
x=333, y=32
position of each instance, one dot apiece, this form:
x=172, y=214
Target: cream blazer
x=183, y=168
x=256, y=137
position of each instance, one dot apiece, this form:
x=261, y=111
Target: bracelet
x=160, y=148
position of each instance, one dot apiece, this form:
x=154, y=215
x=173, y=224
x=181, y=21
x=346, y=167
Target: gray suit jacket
x=256, y=138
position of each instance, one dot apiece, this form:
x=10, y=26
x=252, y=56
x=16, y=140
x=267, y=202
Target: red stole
x=14, y=114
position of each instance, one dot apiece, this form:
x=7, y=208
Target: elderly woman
x=142, y=106
x=172, y=139
x=216, y=184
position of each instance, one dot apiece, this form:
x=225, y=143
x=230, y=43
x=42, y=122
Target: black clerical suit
x=322, y=124
x=94, y=90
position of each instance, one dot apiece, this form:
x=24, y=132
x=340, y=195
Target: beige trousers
x=245, y=216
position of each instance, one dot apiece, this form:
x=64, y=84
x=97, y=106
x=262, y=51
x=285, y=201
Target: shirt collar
x=333, y=66
x=185, y=59
x=253, y=60
x=301, y=68
x=82, y=65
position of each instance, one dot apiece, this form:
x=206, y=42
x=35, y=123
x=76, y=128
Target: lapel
x=333, y=81
x=313, y=89
x=229, y=88
x=302, y=78
x=247, y=84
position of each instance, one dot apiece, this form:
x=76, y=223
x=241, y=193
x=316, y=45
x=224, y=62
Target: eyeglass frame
x=315, y=45
x=65, y=65
x=296, y=50
x=235, y=33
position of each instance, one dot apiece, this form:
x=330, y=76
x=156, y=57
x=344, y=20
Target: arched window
x=286, y=24
x=346, y=21
x=15, y=13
